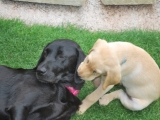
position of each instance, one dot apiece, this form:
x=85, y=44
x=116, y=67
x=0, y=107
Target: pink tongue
x=72, y=90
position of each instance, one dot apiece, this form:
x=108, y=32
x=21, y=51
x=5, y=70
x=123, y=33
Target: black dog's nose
x=42, y=70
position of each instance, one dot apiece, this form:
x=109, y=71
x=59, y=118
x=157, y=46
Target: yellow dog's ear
x=99, y=42
x=113, y=77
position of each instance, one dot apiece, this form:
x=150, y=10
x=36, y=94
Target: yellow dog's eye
x=87, y=61
x=94, y=71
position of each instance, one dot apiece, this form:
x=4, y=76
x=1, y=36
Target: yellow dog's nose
x=79, y=70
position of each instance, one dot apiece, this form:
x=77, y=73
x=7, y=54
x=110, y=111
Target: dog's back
x=139, y=69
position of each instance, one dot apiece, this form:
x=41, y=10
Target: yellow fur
x=139, y=74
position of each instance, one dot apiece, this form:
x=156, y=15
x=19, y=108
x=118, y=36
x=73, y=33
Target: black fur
x=24, y=97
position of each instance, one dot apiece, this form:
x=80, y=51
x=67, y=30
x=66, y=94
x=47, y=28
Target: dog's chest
x=128, y=77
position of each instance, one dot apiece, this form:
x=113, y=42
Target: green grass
x=21, y=46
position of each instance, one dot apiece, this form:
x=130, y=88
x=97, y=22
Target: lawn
x=21, y=46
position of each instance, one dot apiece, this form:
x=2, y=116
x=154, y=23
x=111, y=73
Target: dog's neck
x=120, y=50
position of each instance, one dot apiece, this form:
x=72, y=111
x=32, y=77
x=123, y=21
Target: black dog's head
x=59, y=62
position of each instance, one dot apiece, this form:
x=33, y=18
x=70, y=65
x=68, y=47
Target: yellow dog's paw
x=79, y=112
x=104, y=100
x=82, y=109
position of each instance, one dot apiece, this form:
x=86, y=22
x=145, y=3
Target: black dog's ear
x=41, y=57
x=39, y=61
x=80, y=59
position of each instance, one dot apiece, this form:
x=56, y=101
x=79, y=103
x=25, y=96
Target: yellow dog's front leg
x=92, y=98
x=113, y=76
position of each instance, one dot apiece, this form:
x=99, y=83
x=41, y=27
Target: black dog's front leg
x=18, y=112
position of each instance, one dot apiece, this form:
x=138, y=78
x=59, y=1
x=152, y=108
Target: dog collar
x=72, y=90
x=125, y=60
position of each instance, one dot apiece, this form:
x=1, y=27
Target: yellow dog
x=124, y=63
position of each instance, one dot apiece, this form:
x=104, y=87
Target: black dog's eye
x=45, y=53
x=60, y=56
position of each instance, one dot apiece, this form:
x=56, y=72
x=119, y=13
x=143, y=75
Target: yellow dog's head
x=93, y=65
x=101, y=60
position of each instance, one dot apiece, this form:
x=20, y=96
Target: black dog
x=24, y=96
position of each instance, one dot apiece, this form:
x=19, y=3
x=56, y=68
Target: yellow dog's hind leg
x=127, y=101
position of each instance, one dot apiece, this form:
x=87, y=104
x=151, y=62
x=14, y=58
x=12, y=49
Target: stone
x=60, y=2
x=127, y=2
